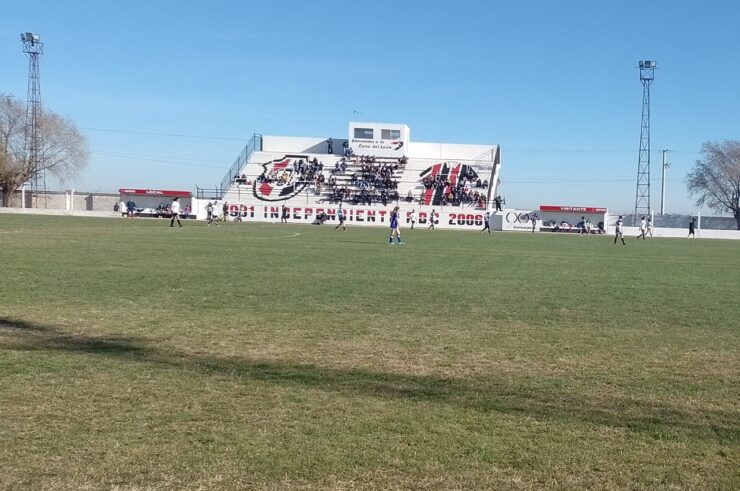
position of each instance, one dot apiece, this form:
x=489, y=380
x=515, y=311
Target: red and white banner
x=358, y=215
x=572, y=209
x=165, y=193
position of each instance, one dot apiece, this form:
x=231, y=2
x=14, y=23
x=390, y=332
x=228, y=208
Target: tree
x=716, y=178
x=63, y=148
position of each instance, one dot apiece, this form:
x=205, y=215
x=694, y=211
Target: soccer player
x=643, y=228
x=175, y=209
x=412, y=218
x=284, y=214
x=692, y=228
x=225, y=212
x=619, y=231
x=394, y=227
x=341, y=217
x=650, y=227
x=209, y=213
x=431, y=220
x=487, y=223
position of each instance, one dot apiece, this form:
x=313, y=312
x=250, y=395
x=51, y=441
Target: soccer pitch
x=263, y=356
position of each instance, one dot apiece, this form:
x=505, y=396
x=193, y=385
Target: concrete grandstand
x=375, y=168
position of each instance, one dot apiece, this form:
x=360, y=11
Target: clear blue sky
x=554, y=83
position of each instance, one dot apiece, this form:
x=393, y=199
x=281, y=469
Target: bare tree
x=63, y=148
x=716, y=178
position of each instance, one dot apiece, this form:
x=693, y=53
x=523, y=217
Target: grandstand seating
x=290, y=178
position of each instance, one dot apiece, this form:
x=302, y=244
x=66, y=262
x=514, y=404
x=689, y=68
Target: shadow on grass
x=484, y=394
x=364, y=242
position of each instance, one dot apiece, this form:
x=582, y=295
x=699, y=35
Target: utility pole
x=665, y=167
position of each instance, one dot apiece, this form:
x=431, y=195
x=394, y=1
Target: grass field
x=136, y=356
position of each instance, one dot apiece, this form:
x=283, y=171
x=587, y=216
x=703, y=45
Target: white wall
x=684, y=232
x=423, y=150
x=291, y=144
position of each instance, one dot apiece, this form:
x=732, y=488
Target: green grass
x=135, y=356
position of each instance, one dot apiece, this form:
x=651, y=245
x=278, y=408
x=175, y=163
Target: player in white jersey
x=175, y=210
x=619, y=231
x=643, y=228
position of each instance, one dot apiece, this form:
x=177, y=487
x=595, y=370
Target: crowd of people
x=366, y=179
x=373, y=182
x=309, y=170
x=466, y=191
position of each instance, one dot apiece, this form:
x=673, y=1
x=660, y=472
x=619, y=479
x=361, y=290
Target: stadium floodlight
x=30, y=37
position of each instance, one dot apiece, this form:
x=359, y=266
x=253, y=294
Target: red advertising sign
x=155, y=192
x=572, y=209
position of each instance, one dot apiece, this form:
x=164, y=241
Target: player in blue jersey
x=394, y=227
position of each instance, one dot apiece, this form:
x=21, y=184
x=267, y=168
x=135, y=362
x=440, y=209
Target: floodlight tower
x=34, y=48
x=642, y=195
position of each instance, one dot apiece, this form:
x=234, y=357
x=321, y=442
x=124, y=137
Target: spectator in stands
x=175, y=210
x=497, y=202
x=330, y=145
x=345, y=147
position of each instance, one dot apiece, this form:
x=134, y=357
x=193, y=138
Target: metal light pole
x=666, y=166
x=642, y=194
x=34, y=48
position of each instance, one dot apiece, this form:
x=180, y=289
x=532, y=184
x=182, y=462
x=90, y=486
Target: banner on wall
x=379, y=139
x=366, y=216
x=572, y=209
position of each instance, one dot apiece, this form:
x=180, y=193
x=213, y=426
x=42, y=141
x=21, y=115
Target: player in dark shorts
x=341, y=217
x=394, y=227
x=487, y=223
